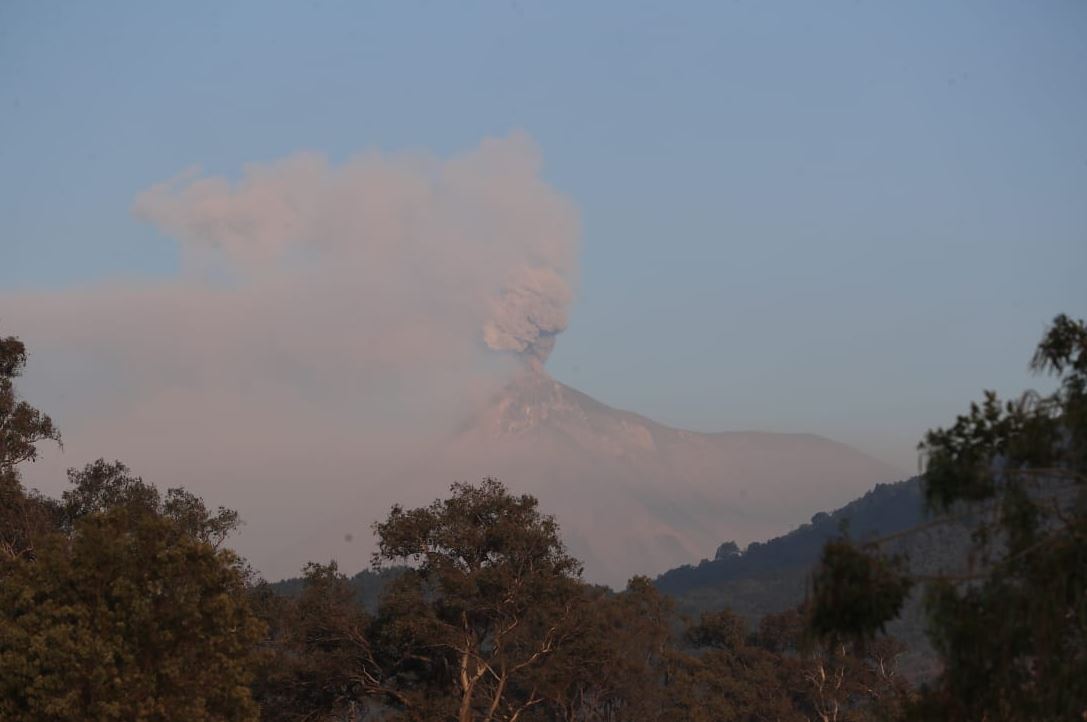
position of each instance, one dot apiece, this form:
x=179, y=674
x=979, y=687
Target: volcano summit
x=637, y=497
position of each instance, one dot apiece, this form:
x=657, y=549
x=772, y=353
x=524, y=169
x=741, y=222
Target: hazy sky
x=844, y=218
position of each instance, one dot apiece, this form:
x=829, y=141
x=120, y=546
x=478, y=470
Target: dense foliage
x=1011, y=627
x=129, y=618
x=115, y=602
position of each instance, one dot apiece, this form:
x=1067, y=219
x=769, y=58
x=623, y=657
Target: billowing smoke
x=323, y=316
x=528, y=313
x=480, y=233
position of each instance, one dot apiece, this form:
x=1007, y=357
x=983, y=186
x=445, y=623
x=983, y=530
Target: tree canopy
x=116, y=603
x=129, y=618
x=1012, y=627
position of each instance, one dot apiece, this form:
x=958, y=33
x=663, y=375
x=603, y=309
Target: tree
x=1011, y=630
x=21, y=425
x=129, y=618
x=115, y=604
x=101, y=486
x=724, y=675
x=727, y=550
x=490, y=599
x=320, y=650
x=23, y=516
x=614, y=667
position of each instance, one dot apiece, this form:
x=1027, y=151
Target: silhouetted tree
x=1012, y=630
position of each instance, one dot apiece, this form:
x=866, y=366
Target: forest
x=121, y=601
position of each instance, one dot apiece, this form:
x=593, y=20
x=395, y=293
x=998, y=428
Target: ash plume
x=324, y=317
x=528, y=314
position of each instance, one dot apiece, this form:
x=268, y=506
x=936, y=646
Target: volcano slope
x=636, y=497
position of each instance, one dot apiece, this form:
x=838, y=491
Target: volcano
x=633, y=496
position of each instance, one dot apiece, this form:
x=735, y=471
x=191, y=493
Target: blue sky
x=845, y=218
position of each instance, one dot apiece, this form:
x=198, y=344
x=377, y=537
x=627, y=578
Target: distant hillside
x=886, y=509
x=773, y=576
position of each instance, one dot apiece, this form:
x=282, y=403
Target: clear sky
x=844, y=218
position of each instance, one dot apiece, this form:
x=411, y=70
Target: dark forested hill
x=884, y=510
x=773, y=576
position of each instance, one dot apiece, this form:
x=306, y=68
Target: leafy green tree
x=490, y=599
x=1012, y=629
x=115, y=604
x=129, y=618
x=473, y=629
x=856, y=590
x=102, y=486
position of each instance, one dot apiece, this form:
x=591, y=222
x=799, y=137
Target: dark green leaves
x=855, y=593
x=1012, y=630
